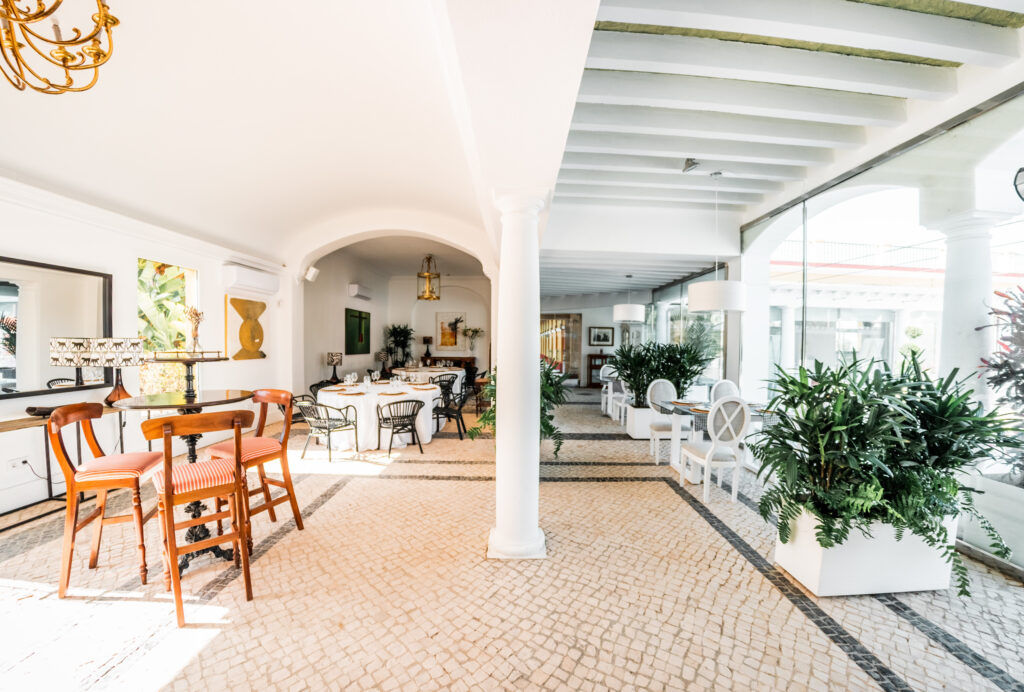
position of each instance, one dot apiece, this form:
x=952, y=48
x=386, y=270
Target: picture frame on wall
x=357, y=332
x=449, y=331
x=602, y=336
x=243, y=331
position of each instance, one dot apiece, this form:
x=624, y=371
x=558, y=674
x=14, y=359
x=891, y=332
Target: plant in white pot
x=865, y=467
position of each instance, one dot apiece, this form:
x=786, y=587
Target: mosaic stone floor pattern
x=388, y=588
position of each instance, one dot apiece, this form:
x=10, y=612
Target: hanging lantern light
x=428, y=280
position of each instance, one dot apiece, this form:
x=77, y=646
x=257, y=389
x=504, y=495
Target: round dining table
x=365, y=398
x=186, y=405
x=423, y=375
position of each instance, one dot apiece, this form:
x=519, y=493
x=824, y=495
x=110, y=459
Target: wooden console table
x=595, y=361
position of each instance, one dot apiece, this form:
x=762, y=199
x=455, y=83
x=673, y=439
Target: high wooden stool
x=103, y=473
x=202, y=480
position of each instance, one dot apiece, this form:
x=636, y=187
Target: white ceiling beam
x=677, y=194
x=596, y=117
x=643, y=203
x=669, y=180
x=708, y=57
x=1008, y=5
x=586, y=261
x=737, y=96
x=611, y=192
x=658, y=164
x=838, y=22
x=695, y=147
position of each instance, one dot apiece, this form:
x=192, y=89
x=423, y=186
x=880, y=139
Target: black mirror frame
x=107, y=299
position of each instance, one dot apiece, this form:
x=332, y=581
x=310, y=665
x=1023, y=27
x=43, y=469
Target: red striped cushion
x=186, y=478
x=118, y=467
x=252, y=447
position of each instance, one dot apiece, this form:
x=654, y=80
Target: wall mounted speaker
x=311, y=274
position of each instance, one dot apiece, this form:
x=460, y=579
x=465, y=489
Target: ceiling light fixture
x=630, y=313
x=28, y=59
x=428, y=280
x=719, y=294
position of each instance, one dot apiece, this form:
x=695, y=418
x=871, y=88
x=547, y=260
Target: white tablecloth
x=366, y=412
x=424, y=375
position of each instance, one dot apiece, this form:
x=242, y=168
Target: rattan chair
x=447, y=384
x=399, y=417
x=324, y=420
x=453, y=411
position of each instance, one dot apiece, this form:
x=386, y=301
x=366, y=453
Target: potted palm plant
x=398, y=338
x=865, y=469
x=681, y=364
x=1001, y=480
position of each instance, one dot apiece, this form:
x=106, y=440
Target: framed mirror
x=42, y=301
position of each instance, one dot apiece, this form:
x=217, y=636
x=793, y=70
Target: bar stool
x=258, y=450
x=185, y=483
x=103, y=473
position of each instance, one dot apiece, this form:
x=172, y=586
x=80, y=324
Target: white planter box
x=1001, y=504
x=862, y=565
x=638, y=422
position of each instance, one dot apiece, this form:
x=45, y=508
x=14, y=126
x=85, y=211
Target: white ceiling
x=399, y=256
x=657, y=90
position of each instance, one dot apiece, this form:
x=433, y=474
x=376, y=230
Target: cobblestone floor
x=388, y=587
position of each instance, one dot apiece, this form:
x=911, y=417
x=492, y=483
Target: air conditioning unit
x=359, y=291
x=240, y=278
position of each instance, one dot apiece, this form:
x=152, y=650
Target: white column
x=787, y=342
x=517, y=533
x=661, y=322
x=966, y=292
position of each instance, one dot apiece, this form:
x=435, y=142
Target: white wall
x=48, y=228
x=469, y=294
x=324, y=307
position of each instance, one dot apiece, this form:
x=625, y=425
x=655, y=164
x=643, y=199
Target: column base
x=498, y=549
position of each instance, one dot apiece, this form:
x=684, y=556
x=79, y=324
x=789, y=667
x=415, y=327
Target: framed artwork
x=602, y=336
x=357, y=331
x=449, y=331
x=243, y=333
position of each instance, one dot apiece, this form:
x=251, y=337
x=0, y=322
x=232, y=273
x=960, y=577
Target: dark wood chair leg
x=287, y=474
x=266, y=493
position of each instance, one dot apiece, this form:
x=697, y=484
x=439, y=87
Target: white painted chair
x=728, y=421
x=606, y=385
x=724, y=388
x=661, y=425
x=619, y=402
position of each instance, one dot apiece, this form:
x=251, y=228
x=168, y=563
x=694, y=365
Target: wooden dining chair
x=103, y=474
x=203, y=480
x=257, y=451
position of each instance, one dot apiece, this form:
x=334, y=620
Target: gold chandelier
x=428, y=280
x=51, y=65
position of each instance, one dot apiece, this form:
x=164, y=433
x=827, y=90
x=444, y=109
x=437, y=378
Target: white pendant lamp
x=629, y=312
x=720, y=294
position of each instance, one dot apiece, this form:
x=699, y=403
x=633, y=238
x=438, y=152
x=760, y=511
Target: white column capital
x=530, y=202
x=977, y=222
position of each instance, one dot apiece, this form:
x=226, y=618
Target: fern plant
x=859, y=444
x=553, y=393
x=9, y=334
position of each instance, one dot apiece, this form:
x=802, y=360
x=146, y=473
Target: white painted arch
x=318, y=240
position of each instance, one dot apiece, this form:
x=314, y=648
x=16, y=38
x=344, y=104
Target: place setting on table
x=371, y=399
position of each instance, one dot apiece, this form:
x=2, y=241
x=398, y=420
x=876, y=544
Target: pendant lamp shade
x=711, y=296
x=628, y=312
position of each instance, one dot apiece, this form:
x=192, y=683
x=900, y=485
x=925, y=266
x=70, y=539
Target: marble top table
x=365, y=398
x=424, y=375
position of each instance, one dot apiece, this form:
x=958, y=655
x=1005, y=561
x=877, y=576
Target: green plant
x=637, y=365
x=9, y=339
x=472, y=333
x=161, y=297
x=912, y=348
x=553, y=393
x=858, y=444
x=1006, y=366
x=681, y=364
x=398, y=338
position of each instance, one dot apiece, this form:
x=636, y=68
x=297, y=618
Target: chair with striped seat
x=103, y=474
x=203, y=480
x=257, y=451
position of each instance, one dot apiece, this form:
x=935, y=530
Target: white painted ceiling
x=402, y=255
x=658, y=90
